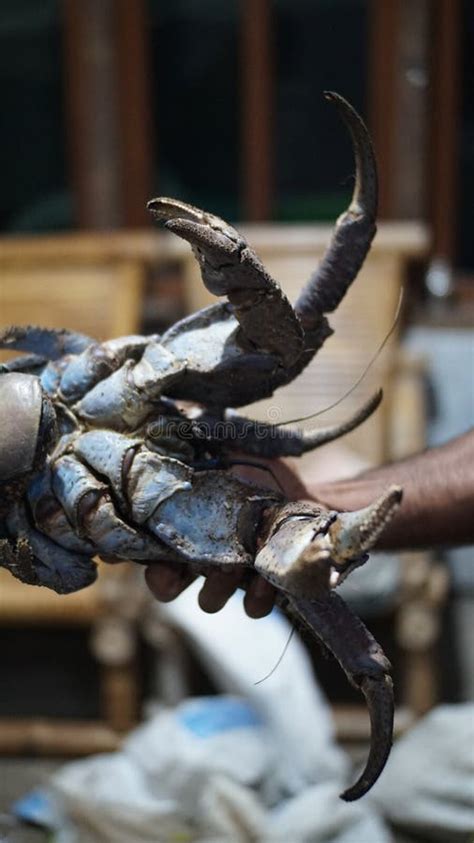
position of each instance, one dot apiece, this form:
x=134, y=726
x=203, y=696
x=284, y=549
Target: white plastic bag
x=428, y=785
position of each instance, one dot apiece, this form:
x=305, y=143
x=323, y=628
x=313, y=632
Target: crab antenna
x=354, y=230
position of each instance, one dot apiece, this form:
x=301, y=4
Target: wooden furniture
x=91, y=283
x=107, y=610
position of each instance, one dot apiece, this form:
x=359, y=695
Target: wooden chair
x=91, y=283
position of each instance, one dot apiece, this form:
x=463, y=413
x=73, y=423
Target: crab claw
x=166, y=210
x=366, y=667
x=309, y=549
x=229, y=267
x=352, y=534
x=215, y=243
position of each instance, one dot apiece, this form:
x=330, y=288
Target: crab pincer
x=229, y=267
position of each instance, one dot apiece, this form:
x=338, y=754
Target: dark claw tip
x=332, y=96
x=379, y=697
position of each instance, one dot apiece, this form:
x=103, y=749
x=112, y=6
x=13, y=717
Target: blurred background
x=107, y=103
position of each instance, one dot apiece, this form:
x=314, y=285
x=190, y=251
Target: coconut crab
x=99, y=455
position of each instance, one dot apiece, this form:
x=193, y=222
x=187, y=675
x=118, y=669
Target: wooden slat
x=445, y=105
x=91, y=247
x=22, y=605
x=410, y=238
x=108, y=108
x=382, y=86
x=91, y=104
x=256, y=74
x=37, y=736
x=136, y=135
x=100, y=300
x=411, y=138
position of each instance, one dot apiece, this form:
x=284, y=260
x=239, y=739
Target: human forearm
x=438, y=496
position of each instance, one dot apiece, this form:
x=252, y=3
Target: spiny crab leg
x=354, y=229
x=270, y=440
x=229, y=267
x=306, y=552
x=49, y=343
x=366, y=667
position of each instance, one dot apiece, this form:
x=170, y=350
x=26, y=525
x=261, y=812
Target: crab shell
x=27, y=430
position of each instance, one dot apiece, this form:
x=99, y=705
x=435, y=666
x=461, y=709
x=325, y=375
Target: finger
x=166, y=581
x=218, y=587
x=259, y=598
x=287, y=473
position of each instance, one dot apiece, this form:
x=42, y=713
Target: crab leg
x=230, y=268
x=47, y=342
x=306, y=551
x=354, y=230
x=269, y=440
x=34, y=558
x=31, y=364
x=366, y=667
x=17, y=557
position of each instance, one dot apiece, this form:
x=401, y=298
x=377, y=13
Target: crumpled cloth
x=200, y=772
x=259, y=762
x=427, y=787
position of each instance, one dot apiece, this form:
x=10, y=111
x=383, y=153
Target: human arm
x=438, y=496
